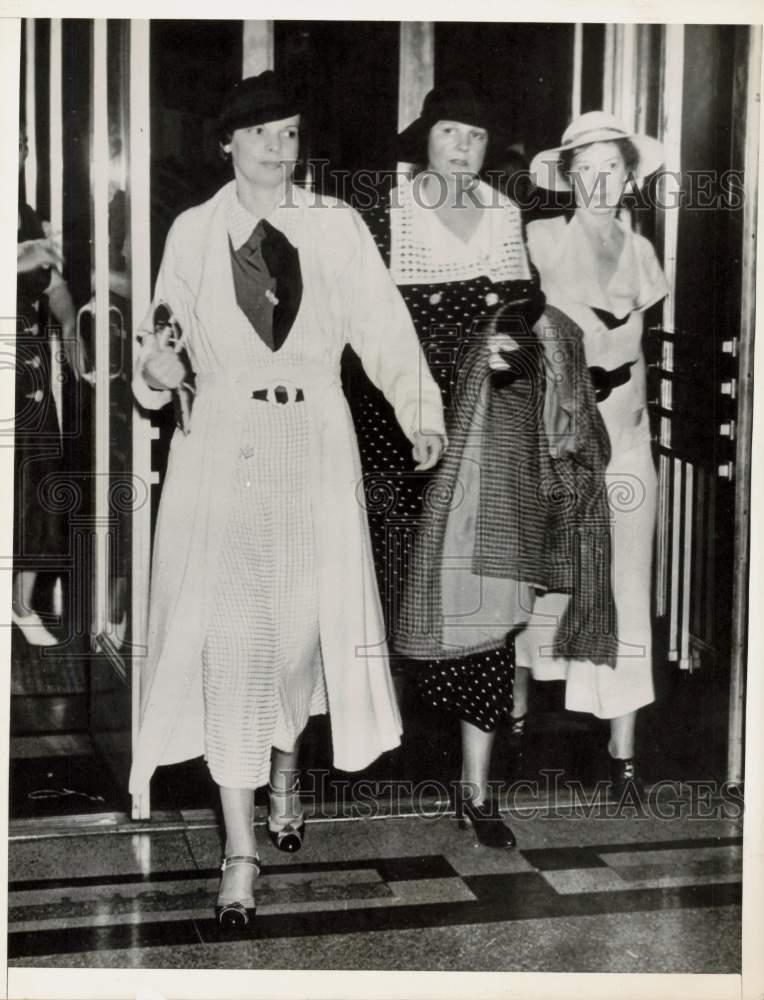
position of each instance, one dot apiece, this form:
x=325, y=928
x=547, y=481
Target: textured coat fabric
x=569, y=277
x=520, y=506
x=350, y=299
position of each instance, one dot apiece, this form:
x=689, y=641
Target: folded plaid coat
x=517, y=505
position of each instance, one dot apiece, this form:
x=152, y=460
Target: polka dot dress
x=478, y=687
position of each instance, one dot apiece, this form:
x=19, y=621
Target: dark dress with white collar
x=445, y=298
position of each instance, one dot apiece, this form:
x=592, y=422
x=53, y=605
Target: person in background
x=603, y=275
x=39, y=530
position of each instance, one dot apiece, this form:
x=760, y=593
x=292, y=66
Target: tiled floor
x=617, y=894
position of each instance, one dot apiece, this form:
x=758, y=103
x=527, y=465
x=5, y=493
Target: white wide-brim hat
x=594, y=126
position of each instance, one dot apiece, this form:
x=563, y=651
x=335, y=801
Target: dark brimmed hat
x=255, y=100
x=455, y=101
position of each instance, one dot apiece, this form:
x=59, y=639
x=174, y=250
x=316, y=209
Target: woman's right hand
x=43, y=252
x=163, y=369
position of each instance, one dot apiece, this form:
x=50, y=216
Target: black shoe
x=289, y=836
x=486, y=822
x=237, y=915
x=624, y=777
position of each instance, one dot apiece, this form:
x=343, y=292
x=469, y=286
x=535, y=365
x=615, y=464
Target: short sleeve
x=652, y=282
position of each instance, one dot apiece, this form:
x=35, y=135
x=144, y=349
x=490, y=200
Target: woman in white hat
x=595, y=268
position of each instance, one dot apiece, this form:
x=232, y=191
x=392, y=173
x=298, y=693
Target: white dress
x=563, y=255
x=262, y=670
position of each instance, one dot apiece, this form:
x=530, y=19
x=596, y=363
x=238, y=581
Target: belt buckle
x=281, y=391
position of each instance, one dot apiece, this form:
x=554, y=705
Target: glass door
x=110, y=312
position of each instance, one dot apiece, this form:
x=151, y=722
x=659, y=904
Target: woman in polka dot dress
x=455, y=250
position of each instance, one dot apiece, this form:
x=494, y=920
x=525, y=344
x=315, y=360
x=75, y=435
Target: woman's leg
x=482, y=812
x=621, y=743
x=23, y=586
x=285, y=805
x=520, y=689
x=238, y=814
x=476, y=760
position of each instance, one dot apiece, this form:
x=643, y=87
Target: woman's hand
x=44, y=252
x=428, y=449
x=497, y=343
x=163, y=369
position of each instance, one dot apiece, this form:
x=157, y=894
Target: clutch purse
x=168, y=332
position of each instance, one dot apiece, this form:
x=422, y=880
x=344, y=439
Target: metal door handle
x=116, y=317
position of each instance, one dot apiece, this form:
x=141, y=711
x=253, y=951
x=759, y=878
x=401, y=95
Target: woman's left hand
x=498, y=344
x=428, y=449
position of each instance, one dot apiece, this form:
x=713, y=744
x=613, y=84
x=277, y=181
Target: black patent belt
x=605, y=381
x=280, y=394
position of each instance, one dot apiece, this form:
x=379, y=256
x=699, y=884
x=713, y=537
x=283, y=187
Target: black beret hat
x=455, y=101
x=255, y=100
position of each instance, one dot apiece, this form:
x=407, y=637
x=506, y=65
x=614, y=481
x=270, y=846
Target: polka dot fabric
x=477, y=688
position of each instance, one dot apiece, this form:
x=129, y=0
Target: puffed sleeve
x=381, y=332
x=171, y=290
x=652, y=281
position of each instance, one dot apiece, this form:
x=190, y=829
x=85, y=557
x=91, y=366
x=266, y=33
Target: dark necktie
x=268, y=283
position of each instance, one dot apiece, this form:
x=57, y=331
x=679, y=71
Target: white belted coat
x=353, y=300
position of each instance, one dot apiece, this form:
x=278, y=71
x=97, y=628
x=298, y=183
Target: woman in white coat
x=264, y=607
x=596, y=269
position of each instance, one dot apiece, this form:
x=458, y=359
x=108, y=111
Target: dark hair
x=628, y=151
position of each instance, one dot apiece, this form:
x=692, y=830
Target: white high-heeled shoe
x=33, y=630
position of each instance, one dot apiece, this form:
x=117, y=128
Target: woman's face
x=265, y=155
x=598, y=174
x=455, y=149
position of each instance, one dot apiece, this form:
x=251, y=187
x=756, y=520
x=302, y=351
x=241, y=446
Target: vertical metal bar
x=642, y=72
x=608, y=69
x=745, y=410
x=672, y=92
x=626, y=97
x=56, y=161
x=687, y=565
x=676, y=529
x=56, y=128
x=10, y=52
x=578, y=60
x=99, y=186
x=140, y=229
x=30, y=103
x=257, y=47
x=417, y=68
